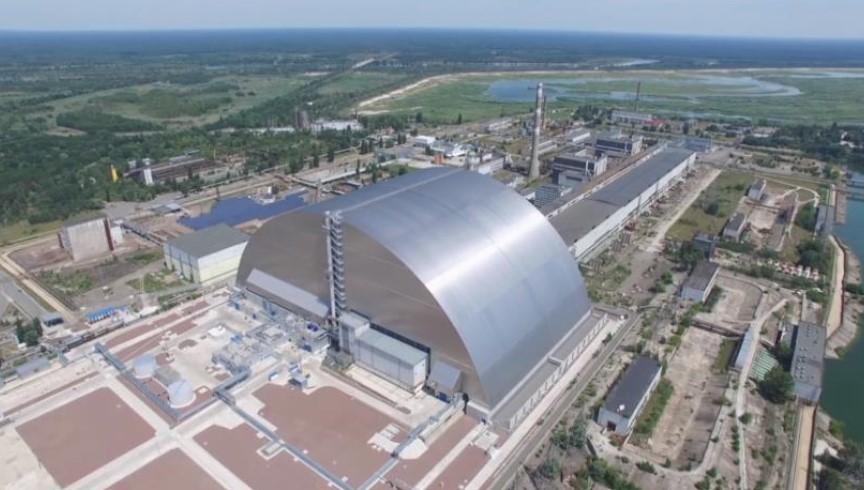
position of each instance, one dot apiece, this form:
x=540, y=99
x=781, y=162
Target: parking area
x=72, y=441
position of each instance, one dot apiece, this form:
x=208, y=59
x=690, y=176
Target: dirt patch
x=237, y=450
x=171, y=470
x=72, y=441
x=683, y=432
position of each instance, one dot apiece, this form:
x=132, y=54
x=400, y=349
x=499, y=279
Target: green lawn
x=803, y=96
x=181, y=105
x=360, y=82
x=18, y=231
x=726, y=191
x=724, y=357
x=653, y=410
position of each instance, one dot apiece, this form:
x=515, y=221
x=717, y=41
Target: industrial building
x=579, y=136
x=546, y=194
x=629, y=395
x=700, y=283
x=808, y=361
x=734, y=229
x=757, y=190
x=394, y=360
x=581, y=161
x=699, y=145
x=705, y=243
x=630, y=117
x=423, y=141
x=176, y=169
x=618, y=145
x=206, y=256
x=88, y=237
x=586, y=224
x=467, y=280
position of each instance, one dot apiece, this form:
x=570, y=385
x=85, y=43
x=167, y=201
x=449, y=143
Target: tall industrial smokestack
x=534, y=168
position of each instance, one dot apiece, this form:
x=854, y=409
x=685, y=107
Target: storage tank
x=144, y=366
x=180, y=393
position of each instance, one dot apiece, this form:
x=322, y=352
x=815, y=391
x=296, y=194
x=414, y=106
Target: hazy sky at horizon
x=761, y=18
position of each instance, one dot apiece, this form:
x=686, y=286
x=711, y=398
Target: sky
x=737, y=18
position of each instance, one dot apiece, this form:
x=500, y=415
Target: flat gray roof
x=576, y=221
x=736, y=222
x=809, y=356
x=579, y=219
x=208, y=241
x=632, y=386
x=702, y=275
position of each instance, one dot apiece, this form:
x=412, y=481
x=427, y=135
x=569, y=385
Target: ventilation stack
x=534, y=168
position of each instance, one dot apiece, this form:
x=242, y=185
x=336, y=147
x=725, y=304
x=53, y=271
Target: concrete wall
x=86, y=240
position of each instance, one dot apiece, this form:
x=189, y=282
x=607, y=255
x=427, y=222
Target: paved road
x=11, y=293
x=506, y=475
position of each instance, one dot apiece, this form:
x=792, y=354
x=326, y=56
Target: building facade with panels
x=588, y=223
x=701, y=281
x=206, y=256
x=628, y=397
x=447, y=261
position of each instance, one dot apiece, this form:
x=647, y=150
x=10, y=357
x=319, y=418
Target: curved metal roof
x=491, y=262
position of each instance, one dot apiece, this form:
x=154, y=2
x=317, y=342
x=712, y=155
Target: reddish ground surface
x=49, y=394
x=409, y=472
x=462, y=469
x=195, y=308
x=171, y=470
x=141, y=329
x=237, y=450
x=204, y=397
x=83, y=435
x=333, y=427
x=151, y=343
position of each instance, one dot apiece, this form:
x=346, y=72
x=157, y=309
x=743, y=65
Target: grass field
x=18, y=231
x=785, y=95
x=180, y=105
x=360, y=82
x=726, y=191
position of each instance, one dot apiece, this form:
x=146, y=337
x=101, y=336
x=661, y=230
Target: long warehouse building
x=589, y=222
x=447, y=262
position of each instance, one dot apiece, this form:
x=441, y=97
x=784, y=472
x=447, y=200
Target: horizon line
x=139, y=30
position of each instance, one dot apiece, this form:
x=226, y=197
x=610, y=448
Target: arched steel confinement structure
x=447, y=258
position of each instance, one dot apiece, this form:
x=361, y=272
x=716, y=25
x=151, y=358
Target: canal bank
x=843, y=388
